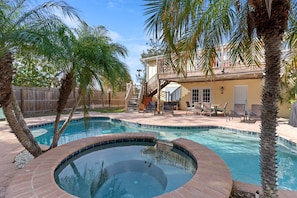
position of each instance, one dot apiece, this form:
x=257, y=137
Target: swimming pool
x=239, y=150
x=125, y=169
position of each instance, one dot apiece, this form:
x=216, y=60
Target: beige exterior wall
x=151, y=68
x=254, y=87
x=254, y=90
x=284, y=110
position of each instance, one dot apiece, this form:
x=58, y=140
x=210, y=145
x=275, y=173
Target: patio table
x=215, y=108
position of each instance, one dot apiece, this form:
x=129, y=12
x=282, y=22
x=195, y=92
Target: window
x=195, y=95
x=201, y=95
x=206, y=95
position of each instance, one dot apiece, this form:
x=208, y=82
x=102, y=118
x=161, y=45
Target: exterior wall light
x=222, y=90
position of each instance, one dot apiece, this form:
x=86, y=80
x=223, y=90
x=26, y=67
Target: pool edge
x=213, y=178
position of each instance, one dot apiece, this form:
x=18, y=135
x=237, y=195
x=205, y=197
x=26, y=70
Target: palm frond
x=184, y=26
x=97, y=58
x=291, y=34
x=245, y=47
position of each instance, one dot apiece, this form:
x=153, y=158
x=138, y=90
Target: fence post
x=22, y=105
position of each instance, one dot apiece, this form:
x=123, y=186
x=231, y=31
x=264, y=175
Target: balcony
x=222, y=71
x=160, y=72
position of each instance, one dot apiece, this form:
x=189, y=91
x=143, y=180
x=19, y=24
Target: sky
x=124, y=19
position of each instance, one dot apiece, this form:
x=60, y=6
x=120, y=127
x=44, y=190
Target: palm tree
x=38, y=31
x=288, y=80
x=289, y=66
x=183, y=26
x=94, y=58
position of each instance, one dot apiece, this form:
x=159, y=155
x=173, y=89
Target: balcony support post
x=158, y=95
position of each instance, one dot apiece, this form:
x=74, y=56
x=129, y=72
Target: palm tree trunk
x=270, y=96
x=58, y=133
x=6, y=71
x=25, y=137
x=35, y=149
x=64, y=91
x=11, y=109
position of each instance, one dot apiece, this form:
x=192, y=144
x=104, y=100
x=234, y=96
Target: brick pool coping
x=212, y=178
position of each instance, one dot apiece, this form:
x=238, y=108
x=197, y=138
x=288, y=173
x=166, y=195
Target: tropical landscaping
x=81, y=58
x=248, y=27
x=37, y=41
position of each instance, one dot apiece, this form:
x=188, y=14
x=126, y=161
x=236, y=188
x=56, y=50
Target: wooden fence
x=34, y=100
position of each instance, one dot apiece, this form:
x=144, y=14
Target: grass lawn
x=101, y=110
x=109, y=110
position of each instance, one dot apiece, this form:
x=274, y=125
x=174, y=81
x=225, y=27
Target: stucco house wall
x=254, y=91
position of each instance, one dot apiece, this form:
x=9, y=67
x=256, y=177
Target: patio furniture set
x=238, y=111
x=206, y=108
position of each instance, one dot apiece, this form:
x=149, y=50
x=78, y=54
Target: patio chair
x=151, y=107
x=238, y=111
x=207, y=110
x=167, y=107
x=189, y=107
x=197, y=108
x=222, y=110
x=293, y=115
x=255, y=113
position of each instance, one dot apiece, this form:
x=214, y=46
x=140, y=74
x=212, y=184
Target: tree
x=85, y=58
x=154, y=50
x=183, y=26
x=94, y=59
x=38, y=31
x=288, y=80
x=35, y=71
x=289, y=65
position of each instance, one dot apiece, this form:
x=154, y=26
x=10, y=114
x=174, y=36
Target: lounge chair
x=293, y=115
x=239, y=111
x=255, y=113
x=197, y=108
x=189, y=107
x=207, y=108
x=151, y=107
x=222, y=110
x=167, y=107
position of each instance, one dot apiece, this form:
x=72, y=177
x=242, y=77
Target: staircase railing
x=129, y=94
x=140, y=95
x=152, y=84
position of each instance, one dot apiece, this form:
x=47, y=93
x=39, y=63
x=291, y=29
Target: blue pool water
x=122, y=170
x=239, y=150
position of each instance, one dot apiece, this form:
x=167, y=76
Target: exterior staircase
x=133, y=103
x=135, y=96
x=153, y=91
x=151, y=87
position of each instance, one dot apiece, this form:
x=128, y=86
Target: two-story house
x=235, y=84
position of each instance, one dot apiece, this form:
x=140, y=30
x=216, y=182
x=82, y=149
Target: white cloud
x=111, y=4
x=114, y=3
x=70, y=22
x=116, y=37
x=134, y=56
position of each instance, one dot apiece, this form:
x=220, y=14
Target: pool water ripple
x=239, y=149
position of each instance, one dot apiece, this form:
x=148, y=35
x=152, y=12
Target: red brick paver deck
x=212, y=179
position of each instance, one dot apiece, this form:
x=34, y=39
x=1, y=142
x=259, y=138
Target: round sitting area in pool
x=131, y=178
x=211, y=177
x=136, y=168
